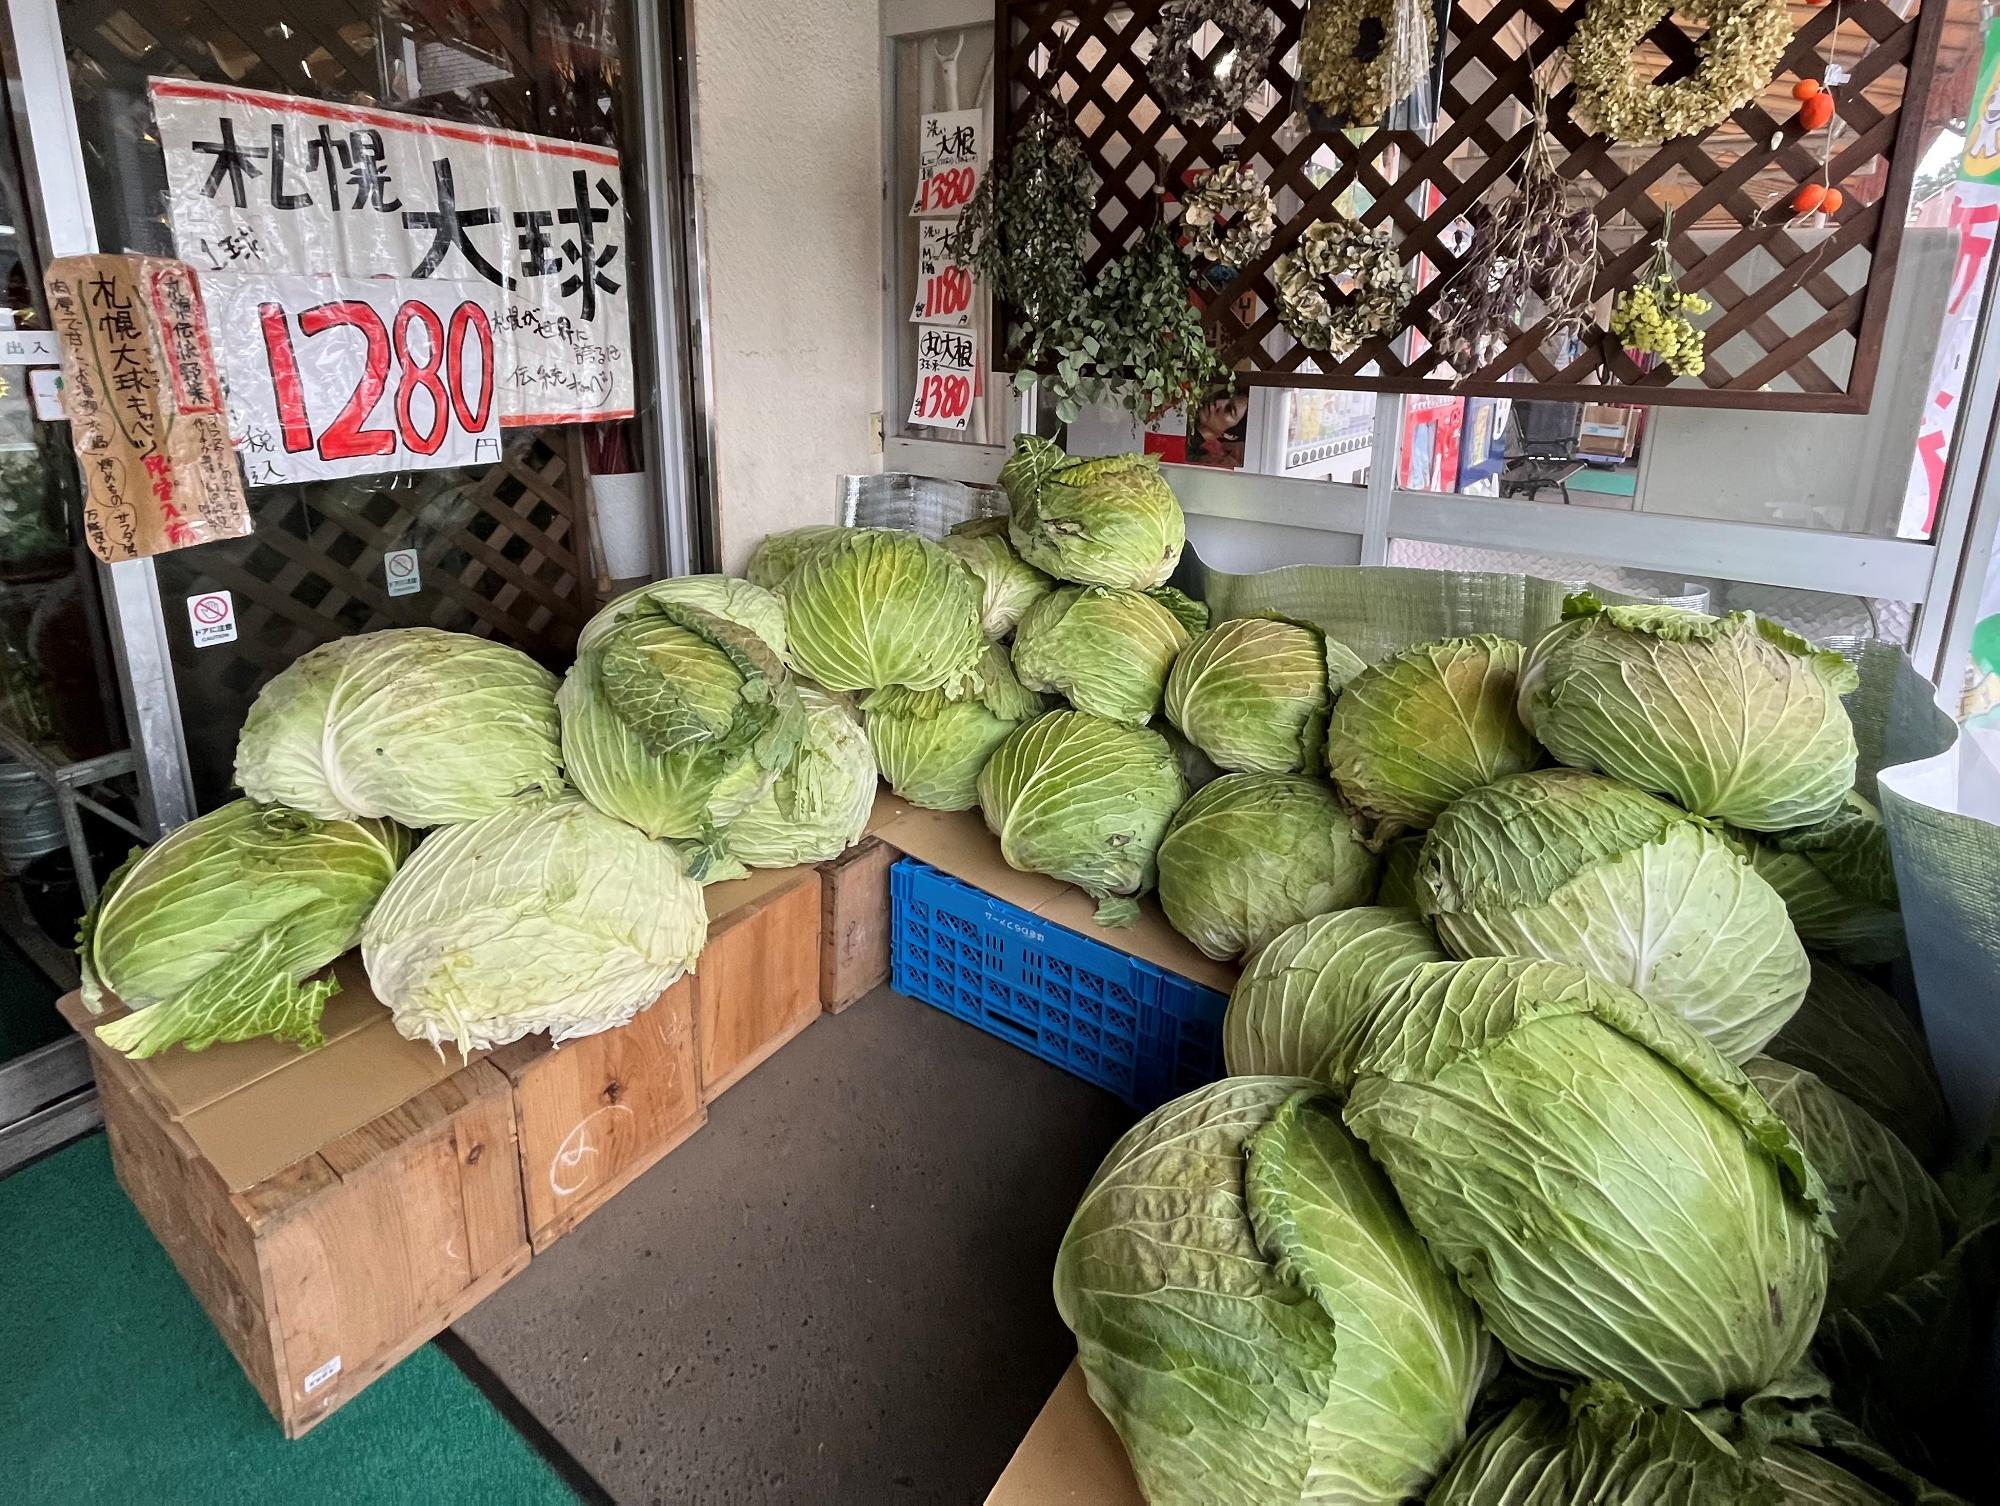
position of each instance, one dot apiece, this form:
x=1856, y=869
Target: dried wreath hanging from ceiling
x=1342, y=286
x=1744, y=43
x=1335, y=78
x=1228, y=215
x=1201, y=88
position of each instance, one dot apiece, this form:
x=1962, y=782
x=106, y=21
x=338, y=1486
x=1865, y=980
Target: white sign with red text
x=353, y=376
x=948, y=158
x=947, y=373
x=278, y=185
x=944, y=288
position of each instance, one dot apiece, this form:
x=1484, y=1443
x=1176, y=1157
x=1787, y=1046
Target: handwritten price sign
x=947, y=372
x=944, y=288
x=948, y=158
x=339, y=376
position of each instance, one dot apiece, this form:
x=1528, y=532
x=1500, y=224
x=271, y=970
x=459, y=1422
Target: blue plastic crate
x=1146, y=1034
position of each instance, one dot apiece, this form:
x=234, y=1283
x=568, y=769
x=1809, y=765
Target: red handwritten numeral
x=470, y=318
x=948, y=189
x=950, y=292
x=345, y=438
x=943, y=396
x=293, y=425
x=421, y=375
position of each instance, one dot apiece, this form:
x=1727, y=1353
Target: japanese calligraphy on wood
x=144, y=403
x=271, y=183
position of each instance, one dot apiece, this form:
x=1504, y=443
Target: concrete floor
x=837, y=1292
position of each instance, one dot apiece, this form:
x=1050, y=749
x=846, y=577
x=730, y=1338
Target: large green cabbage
x=1085, y=800
x=1251, y=854
x=1581, y=869
x=818, y=806
x=1255, y=1315
x=882, y=607
x=722, y=596
x=1107, y=522
x=1413, y=733
x=931, y=744
x=1614, y=1195
x=416, y=725
x=550, y=916
x=1733, y=717
x=777, y=555
x=1009, y=584
x=1305, y=1003
x=1107, y=652
x=1890, y=1221
x=675, y=720
x=1253, y=692
x=1837, y=881
x=1858, y=1041
x=211, y=933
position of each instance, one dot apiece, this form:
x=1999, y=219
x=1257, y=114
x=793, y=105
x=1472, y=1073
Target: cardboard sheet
x=1071, y=1455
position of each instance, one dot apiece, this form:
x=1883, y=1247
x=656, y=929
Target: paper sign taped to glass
x=274, y=185
x=144, y=403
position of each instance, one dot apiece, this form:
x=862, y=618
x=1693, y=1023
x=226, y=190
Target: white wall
x=788, y=112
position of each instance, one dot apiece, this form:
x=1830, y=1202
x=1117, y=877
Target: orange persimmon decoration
x=1817, y=111
x=1833, y=200
x=1810, y=196
x=1805, y=88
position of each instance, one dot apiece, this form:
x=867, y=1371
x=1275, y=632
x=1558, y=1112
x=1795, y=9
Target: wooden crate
x=321, y=1276
x=757, y=984
x=595, y=1113
x=854, y=923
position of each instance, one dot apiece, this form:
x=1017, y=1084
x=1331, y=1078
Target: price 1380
x=946, y=190
x=442, y=370
x=940, y=396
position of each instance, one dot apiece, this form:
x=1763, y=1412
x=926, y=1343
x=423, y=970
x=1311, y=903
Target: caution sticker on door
x=400, y=566
x=212, y=616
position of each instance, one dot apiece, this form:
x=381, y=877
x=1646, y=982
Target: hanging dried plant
x=1528, y=245
x=1199, y=88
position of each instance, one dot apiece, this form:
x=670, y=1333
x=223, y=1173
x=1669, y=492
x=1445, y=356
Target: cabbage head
x=1890, y=1221
x=212, y=932
x=1189, y=613
x=1858, y=1041
x=882, y=607
x=1402, y=874
x=1837, y=881
x=1614, y=1195
x=416, y=725
x=1251, y=854
x=676, y=721
x=1107, y=652
x=1436, y=721
x=931, y=744
x=818, y=806
x=1086, y=801
x=550, y=916
x=1009, y=585
x=721, y=596
x=1305, y=1003
x=777, y=555
x=1106, y=522
x=1733, y=717
x=1577, y=868
x=1253, y=692
x=1254, y=1314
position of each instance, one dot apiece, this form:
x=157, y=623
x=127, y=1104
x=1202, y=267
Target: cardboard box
x=1071, y=1455
x=320, y=1269
x=757, y=984
x=1609, y=429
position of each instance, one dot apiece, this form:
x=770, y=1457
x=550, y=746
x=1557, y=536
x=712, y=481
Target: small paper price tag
x=948, y=154
x=944, y=288
x=947, y=369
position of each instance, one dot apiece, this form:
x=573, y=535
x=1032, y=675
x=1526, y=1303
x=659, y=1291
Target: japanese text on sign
x=271, y=184
x=349, y=376
x=144, y=403
x=947, y=368
x=944, y=288
x=947, y=162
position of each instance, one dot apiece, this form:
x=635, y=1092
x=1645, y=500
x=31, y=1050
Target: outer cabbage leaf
x=214, y=933
x=818, y=806
x=1837, y=881
x=777, y=555
x=1733, y=717
x=1614, y=1195
x=1251, y=854
x=416, y=725
x=722, y=596
x=1108, y=652
x=1189, y=613
x=1254, y=1314
x=1105, y=522
x=880, y=607
x=931, y=744
x=1402, y=875
x=549, y=917
x=1009, y=585
x=1253, y=692
x=1413, y=733
x=1085, y=800
x=1305, y=1003
x=1577, y=868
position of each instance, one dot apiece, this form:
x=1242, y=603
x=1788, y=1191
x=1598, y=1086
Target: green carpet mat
x=117, y=1389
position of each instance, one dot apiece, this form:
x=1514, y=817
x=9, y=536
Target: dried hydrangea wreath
x=1343, y=286
x=1228, y=215
x=1334, y=78
x=1200, y=89
x=1744, y=43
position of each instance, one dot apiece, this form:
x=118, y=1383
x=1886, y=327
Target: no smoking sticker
x=212, y=616
x=400, y=566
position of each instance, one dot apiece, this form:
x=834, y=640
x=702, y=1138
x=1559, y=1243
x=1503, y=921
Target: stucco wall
x=788, y=101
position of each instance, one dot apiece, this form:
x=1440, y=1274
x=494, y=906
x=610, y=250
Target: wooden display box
x=323, y=1269
x=757, y=984
x=854, y=923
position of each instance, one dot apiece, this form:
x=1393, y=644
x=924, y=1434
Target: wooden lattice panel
x=1799, y=307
